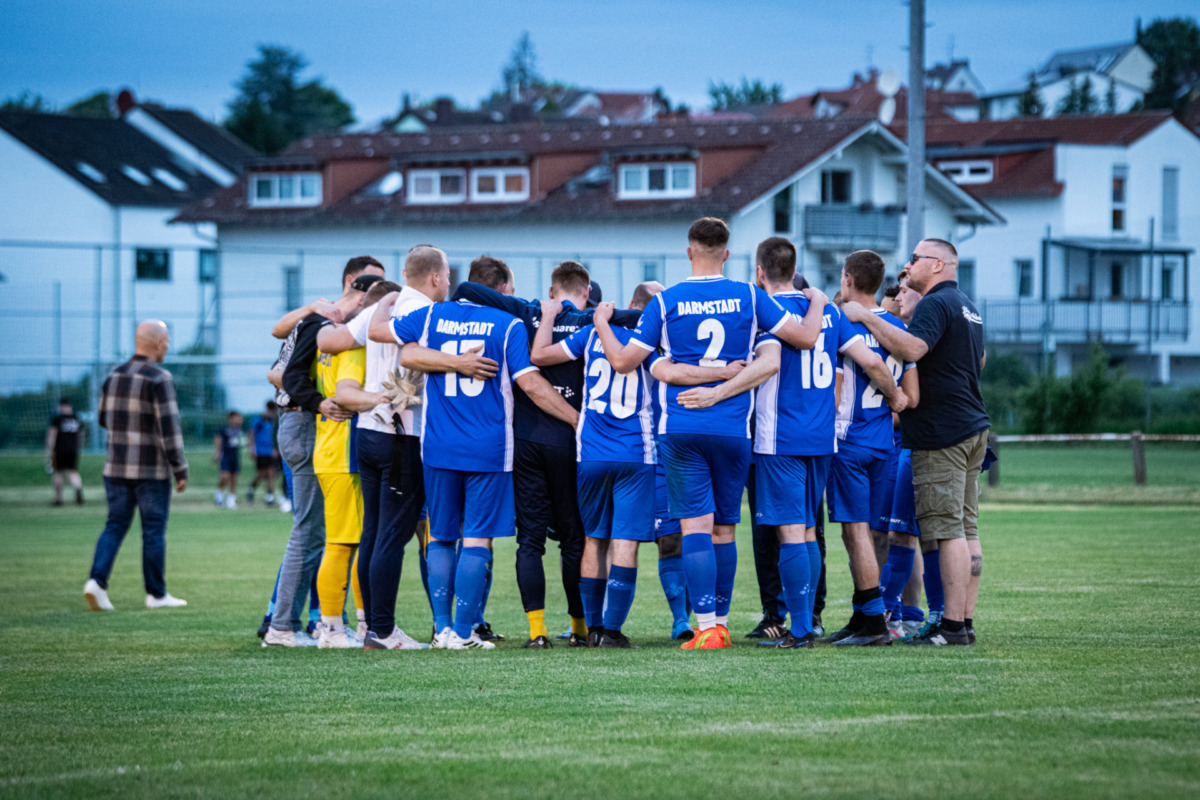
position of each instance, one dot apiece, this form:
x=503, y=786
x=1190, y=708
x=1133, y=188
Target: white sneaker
x=439, y=641
x=218, y=498
x=231, y=500
x=166, y=601
x=399, y=640
x=340, y=639
x=285, y=506
x=361, y=630
x=96, y=597
x=452, y=641
x=276, y=638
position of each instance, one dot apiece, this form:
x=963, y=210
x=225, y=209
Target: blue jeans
x=153, y=499
x=297, y=438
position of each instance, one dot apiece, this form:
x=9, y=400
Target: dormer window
x=437, y=186
x=967, y=171
x=653, y=181
x=500, y=185
x=285, y=189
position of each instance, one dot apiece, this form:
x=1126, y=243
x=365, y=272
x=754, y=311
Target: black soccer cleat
x=837, y=636
x=971, y=635
x=818, y=628
x=939, y=636
x=262, y=629
x=486, y=633
x=592, y=640
x=616, y=639
x=767, y=628
x=788, y=642
x=538, y=643
x=866, y=639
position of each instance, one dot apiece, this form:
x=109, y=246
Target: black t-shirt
x=951, y=408
x=68, y=427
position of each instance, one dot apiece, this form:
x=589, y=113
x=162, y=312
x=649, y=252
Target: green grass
x=1085, y=681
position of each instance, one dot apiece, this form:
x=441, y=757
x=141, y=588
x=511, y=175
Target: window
x=656, y=180
x=500, y=185
x=207, y=272
x=1168, y=280
x=291, y=287
x=136, y=175
x=285, y=189
x=1119, y=189
x=1170, y=203
x=437, y=186
x=966, y=277
x=835, y=186
x=153, y=265
x=783, y=210
x=652, y=271
x=1116, y=280
x=967, y=171
x=1024, y=268
x=169, y=179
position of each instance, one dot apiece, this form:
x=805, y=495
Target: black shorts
x=66, y=461
x=264, y=462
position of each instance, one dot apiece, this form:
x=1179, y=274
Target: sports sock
x=700, y=567
x=900, y=564
x=441, y=568
x=487, y=591
x=912, y=614
x=870, y=605
x=355, y=587
x=331, y=578
x=670, y=574
x=969, y=623
x=469, y=580
x=933, y=582
x=592, y=592
x=814, y=576
x=579, y=624
x=953, y=625
x=795, y=575
x=334, y=624
x=622, y=582
x=726, y=555
x=537, y=623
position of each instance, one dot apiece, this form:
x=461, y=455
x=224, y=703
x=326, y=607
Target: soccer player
x=468, y=449
x=858, y=475
x=262, y=444
x=544, y=459
x=62, y=450
x=227, y=452
x=707, y=320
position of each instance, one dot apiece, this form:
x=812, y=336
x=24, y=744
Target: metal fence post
x=1139, y=458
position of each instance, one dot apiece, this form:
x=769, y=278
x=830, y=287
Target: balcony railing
x=839, y=227
x=1116, y=321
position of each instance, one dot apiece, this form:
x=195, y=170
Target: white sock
x=706, y=621
x=334, y=624
x=219, y=496
x=723, y=620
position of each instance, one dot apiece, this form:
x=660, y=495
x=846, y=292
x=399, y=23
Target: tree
x=1110, y=98
x=273, y=109
x=1174, y=44
x=521, y=69
x=1070, y=103
x=1087, y=99
x=1031, y=103
x=725, y=96
x=98, y=105
x=27, y=101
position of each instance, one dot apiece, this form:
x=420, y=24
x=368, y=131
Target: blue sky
x=190, y=53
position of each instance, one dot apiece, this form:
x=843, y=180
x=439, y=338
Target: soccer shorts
x=264, y=462
x=816, y=476
x=888, y=489
x=65, y=460
x=904, y=511
x=664, y=524
x=705, y=475
x=856, y=483
x=780, y=495
x=230, y=461
x=343, y=506
x=469, y=505
x=616, y=500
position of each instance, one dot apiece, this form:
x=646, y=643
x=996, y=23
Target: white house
x=86, y=248
x=618, y=198
x=1103, y=220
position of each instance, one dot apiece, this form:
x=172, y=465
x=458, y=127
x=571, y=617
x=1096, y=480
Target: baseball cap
x=364, y=282
x=798, y=282
x=595, y=296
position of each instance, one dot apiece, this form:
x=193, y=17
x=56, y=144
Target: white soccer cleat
x=452, y=641
x=231, y=500
x=276, y=638
x=166, y=601
x=399, y=640
x=285, y=506
x=97, y=598
x=341, y=639
x=439, y=641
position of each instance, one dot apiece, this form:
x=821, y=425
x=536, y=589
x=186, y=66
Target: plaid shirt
x=138, y=409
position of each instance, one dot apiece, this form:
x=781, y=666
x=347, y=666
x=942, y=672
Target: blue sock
x=912, y=614
x=423, y=562
x=622, y=581
x=441, y=572
x=670, y=574
x=591, y=591
x=487, y=591
x=900, y=560
x=700, y=568
x=794, y=574
x=726, y=555
x=874, y=606
x=814, y=576
x=274, y=593
x=469, y=580
x=933, y=582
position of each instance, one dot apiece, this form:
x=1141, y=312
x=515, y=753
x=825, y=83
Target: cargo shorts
x=946, y=488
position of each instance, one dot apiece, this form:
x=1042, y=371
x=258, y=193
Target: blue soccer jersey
x=468, y=423
x=615, y=423
x=864, y=418
x=707, y=322
x=797, y=407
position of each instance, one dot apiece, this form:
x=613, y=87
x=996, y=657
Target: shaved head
x=643, y=293
x=152, y=339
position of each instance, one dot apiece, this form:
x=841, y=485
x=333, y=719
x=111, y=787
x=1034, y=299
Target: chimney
x=126, y=102
x=443, y=108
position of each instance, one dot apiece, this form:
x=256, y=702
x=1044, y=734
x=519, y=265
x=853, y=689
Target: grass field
x=1085, y=681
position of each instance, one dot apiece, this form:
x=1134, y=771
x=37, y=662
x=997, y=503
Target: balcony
x=848, y=227
x=1113, y=321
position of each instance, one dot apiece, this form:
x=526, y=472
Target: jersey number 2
x=871, y=396
x=714, y=331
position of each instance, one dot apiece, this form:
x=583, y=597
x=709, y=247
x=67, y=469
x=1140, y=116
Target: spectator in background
x=262, y=445
x=227, y=453
x=62, y=451
x=145, y=450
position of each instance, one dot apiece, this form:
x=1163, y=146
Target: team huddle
x=459, y=421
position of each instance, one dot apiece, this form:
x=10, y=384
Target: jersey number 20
x=624, y=390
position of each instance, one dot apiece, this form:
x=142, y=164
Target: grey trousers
x=297, y=439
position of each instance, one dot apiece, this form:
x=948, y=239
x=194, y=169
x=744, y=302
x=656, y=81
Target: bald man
x=145, y=454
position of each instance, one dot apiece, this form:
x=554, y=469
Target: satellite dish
x=889, y=83
x=887, y=110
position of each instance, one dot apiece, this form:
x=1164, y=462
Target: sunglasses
x=917, y=256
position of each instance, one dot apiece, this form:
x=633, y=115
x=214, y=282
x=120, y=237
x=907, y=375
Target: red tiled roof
x=1111, y=129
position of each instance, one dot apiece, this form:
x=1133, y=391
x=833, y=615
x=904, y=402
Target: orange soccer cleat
x=710, y=639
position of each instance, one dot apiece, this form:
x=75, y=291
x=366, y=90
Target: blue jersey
x=263, y=431
x=707, y=322
x=864, y=418
x=615, y=423
x=797, y=407
x=468, y=423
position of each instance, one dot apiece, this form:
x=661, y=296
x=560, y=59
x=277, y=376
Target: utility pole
x=915, y=176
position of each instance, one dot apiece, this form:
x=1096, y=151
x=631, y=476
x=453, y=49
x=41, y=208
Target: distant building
x=863, y=97
x=953, y=77
x=548, y=103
